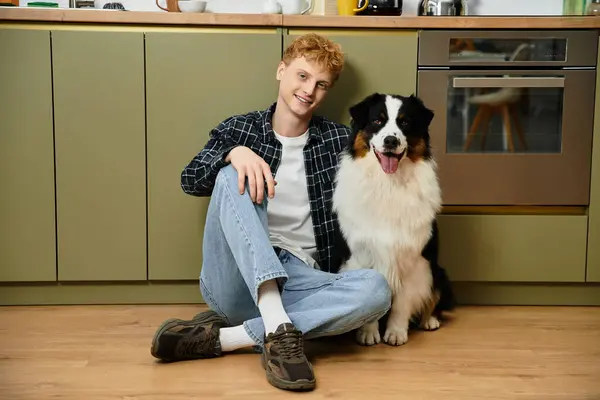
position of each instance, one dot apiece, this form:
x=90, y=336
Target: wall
x=513, y=7
x=476, y=7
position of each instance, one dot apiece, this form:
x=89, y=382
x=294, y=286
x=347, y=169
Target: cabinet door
x=27, y=213
x=194, y=81
x=375, y=61
x=593, y=254
x=513, y=248
x=100, y=155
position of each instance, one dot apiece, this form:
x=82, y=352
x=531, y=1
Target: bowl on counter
x=191, y=6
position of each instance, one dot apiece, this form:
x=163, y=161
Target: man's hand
x=248, y=164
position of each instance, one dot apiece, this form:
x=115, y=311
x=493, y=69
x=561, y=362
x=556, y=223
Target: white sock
x=270, y=306
x=234, y=338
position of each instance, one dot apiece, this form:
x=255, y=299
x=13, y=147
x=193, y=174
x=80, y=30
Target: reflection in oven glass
x=475, y=50
x=504, y=119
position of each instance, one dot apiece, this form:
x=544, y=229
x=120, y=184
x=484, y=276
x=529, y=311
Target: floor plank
x=102, y=352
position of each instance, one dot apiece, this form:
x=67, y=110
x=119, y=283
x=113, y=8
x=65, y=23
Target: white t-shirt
x=290, y=222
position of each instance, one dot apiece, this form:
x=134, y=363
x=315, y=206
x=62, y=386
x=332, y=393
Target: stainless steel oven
x=514, y=114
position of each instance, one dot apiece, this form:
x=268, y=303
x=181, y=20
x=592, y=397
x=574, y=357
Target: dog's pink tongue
x=389, y=164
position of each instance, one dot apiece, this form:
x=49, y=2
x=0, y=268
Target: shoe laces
x=200, y=343
x=290, y=345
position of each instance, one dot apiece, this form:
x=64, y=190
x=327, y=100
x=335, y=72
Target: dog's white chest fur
x=387, y=218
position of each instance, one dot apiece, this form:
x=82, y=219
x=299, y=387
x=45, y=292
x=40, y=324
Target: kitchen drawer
x=514, y=248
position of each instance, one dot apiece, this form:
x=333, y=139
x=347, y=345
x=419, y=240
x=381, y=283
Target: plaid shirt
x=254, y=130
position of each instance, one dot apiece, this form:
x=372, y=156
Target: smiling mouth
x=303, y=100
x=389, y=161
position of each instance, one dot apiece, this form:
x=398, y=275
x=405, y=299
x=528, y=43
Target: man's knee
x=227, y=176
x=227, y=183
x=375, y=294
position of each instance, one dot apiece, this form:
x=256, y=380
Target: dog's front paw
x=368, y=335
x=395, y=336
x=431, y=324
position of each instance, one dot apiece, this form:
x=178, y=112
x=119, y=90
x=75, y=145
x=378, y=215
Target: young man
x=269, y=230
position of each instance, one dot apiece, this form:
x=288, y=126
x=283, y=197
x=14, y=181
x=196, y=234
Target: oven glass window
x=504, y=114
x=473, y=50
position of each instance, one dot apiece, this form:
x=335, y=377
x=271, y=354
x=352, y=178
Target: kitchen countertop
x=135, y=17
x=469, y=22
x=15, y=14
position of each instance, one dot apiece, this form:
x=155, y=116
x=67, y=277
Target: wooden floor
x=102, y=352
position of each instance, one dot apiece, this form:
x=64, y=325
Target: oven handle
x=509, y=82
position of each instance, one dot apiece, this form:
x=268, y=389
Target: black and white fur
x=387, y=219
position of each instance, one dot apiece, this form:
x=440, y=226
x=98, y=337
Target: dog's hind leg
x=430, y=322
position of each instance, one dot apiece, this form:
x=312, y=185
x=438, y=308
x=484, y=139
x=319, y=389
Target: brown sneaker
x=284, y=360
x=179, y=340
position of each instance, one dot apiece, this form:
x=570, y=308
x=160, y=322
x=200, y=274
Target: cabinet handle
x=508, y=82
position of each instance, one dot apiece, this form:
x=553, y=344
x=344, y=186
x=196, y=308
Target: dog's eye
x=404, y=124
x=377, y=122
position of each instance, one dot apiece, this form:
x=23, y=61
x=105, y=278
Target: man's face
x=303, y=85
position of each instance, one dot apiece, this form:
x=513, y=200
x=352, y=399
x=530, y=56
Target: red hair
x=318, y=49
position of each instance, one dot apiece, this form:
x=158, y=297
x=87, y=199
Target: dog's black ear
x=425, y=114
x=360, y=111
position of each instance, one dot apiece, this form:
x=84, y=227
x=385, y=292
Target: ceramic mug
x=294, y=6
x=348, y=7
x=172, y=6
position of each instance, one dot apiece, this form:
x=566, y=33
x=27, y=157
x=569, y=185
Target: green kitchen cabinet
x=100, y=154
x=514, y=248
x=194, y=81
x=27, y=213
x=375, y=61
x=593, y=242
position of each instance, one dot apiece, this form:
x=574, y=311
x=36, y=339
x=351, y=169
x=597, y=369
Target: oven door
x=518, y=137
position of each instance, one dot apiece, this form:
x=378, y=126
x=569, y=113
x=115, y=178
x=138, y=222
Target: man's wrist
x=227, y=155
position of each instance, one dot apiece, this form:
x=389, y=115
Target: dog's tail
x=447, y=301
x=441, y=282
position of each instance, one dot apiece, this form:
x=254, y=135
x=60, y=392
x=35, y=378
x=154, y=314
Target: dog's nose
x=391, y=141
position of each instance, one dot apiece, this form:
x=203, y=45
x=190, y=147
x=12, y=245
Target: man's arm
x=198, y=177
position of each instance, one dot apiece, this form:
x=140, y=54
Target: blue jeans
x=238, y=257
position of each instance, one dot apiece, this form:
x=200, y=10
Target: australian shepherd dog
x=386, y=199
